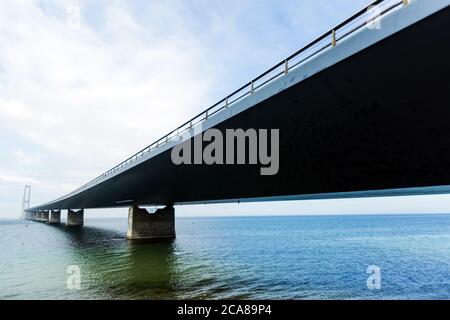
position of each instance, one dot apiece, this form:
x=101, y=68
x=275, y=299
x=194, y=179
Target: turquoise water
x=239, y=257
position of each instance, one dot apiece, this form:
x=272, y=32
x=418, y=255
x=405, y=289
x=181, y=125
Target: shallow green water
x=245, y=257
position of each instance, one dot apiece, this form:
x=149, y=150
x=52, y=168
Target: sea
x=268, y=257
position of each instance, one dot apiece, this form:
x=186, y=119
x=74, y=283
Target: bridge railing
x=367, y=17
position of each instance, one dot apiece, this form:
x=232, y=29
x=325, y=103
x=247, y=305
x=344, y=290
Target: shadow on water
x=114, y=268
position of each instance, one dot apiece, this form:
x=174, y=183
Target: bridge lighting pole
x=333, y=38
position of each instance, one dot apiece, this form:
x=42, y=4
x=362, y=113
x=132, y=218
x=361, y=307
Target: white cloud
x=87, y=98
x=76, y=100
x=16, y=179
x=25, y=159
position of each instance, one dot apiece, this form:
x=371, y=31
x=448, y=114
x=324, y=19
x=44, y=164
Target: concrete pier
x=45, y=216
x=144, y=225
x=42, y=216
x=55, y=216
x=75, y=218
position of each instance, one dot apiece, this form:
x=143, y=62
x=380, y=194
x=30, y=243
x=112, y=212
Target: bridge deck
x=364, y=117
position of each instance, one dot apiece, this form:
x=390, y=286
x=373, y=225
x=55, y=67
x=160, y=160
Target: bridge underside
x=378, y=120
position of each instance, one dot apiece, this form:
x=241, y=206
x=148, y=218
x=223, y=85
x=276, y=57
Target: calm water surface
x=242, y=257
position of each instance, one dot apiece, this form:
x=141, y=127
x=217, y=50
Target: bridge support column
x=45, y=216
x=55, y=216
x=40, y=216
x=144, y=225
x=75, y=218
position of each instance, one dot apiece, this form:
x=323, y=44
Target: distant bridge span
x=361, y=111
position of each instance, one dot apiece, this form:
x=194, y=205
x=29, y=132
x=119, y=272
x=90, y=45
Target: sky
x=85, y=84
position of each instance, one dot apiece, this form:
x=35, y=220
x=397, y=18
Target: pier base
x=55, y=216
x=143, y=225
x=44, y=216
x=75, y=218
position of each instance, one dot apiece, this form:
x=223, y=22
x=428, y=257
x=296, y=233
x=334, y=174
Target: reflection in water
x=116, y=268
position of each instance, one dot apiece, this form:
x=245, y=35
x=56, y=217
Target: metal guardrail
x=330, y=39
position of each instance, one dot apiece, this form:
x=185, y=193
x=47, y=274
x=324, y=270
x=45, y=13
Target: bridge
x=361, y=111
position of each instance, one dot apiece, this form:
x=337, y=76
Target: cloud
x=85, y=84
x=86, y=98
x=16, y=179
